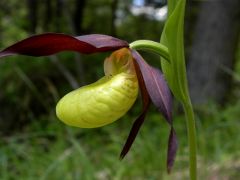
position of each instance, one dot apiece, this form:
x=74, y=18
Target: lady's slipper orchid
x=112, y=96
x=106, y=100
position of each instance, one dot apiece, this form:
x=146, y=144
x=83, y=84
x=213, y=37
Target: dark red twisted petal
x=172, y=149
x=156, y=86
x=51, y=43
x=139, y=121
x=160, y=95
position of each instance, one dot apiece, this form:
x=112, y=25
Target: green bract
x=172, y=38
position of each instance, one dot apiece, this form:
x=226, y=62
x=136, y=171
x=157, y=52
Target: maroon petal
x=51, y=43
x=160, y=95
x=156, y=86
x=172, y=149
x=139, y=121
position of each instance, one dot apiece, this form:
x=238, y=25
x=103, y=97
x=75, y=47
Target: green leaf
x=175, y=74
x=171, y=6
x=172, y=37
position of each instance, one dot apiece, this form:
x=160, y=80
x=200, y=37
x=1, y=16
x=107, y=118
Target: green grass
x=60, y=152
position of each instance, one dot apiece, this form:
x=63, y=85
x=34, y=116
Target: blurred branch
x=31, y=86
x=230, y=72
x=59, y=14
x=114, y=7
x=1, y=31
x=66, y=73
x=78, y=16
x=32, y=15
x=80, y=68
x=52, y=89
x=48, y=15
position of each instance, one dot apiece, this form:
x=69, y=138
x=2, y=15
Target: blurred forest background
x=34, y=144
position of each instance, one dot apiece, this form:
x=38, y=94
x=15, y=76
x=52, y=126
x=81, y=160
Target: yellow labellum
x=104, y=101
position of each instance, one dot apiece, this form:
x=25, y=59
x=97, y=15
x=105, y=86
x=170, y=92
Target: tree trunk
x=32, y=15
x=1, y=31
x=213, y=50
x=59, y=14
x=78, y=19
x=114, y=7
x=48, y=15
x=78, y=16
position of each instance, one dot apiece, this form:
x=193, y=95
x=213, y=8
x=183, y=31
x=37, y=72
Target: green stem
x=155, y=47
x=191, y=129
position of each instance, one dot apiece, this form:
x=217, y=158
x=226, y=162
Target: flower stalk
x=191, y=130
x=151, y=46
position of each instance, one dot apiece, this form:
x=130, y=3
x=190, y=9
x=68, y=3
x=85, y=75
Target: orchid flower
x=108, y=99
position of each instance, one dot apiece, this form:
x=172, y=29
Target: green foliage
x=175, y=73
x=55, y=151
x=38, y=145
x=172, y=37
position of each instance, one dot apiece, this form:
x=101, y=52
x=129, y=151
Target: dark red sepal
x=51, y=43
x=156, y=86
x=160, y=95
x=139, y=121
x=172, y=149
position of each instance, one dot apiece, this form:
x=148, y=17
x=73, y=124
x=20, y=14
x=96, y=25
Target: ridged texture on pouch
x=100, y=103
x=106, y=100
